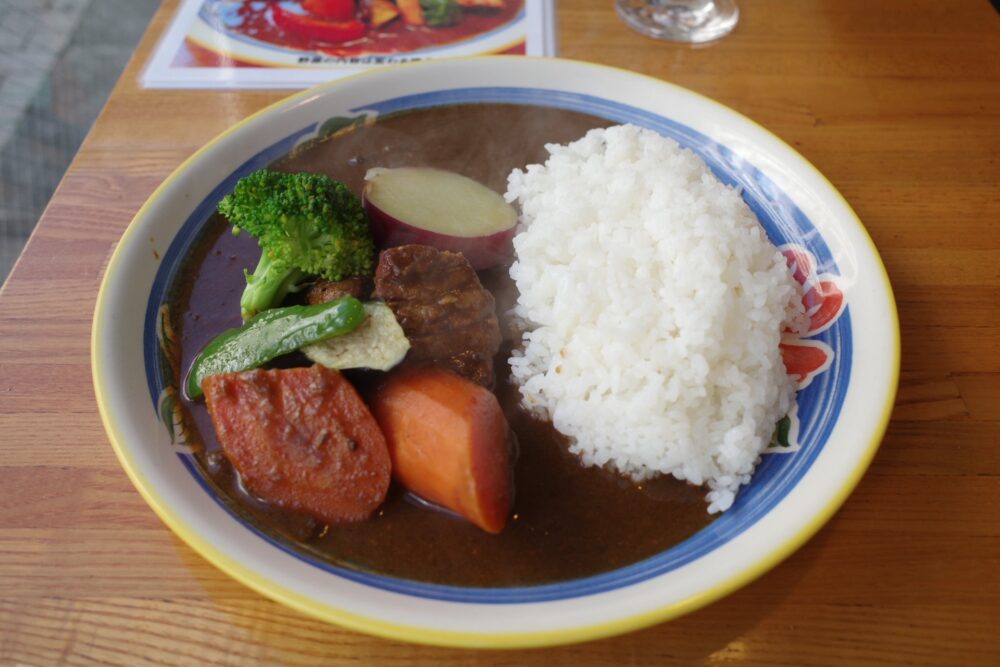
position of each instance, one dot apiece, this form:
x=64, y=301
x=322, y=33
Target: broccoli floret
x=307, y=225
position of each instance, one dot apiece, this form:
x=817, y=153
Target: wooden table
x=897, y=102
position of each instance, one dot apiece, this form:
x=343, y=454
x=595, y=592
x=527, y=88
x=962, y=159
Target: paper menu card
x=299, y=43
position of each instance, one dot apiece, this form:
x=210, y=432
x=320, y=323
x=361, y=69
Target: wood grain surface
x=897, y=102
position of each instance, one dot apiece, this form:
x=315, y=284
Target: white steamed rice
x=654, y=304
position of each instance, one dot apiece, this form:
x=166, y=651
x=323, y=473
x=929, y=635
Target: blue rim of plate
x=818, y=404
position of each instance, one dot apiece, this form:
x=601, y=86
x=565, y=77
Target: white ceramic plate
x=849, y=362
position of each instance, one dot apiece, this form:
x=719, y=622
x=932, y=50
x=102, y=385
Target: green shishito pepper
x=272, y=333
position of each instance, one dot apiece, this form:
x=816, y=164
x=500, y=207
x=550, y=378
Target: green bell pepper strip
x=272, y=333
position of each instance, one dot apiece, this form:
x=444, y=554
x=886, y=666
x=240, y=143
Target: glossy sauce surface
x=568, y=521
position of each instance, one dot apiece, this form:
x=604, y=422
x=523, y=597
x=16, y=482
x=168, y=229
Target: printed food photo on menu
x=302, y=32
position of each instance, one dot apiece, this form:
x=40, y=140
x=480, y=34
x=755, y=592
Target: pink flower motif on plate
x=824, y=302
x=805, y=357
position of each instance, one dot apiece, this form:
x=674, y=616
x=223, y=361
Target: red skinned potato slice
x=441, y=209
x=447, y=438
x=302, y=439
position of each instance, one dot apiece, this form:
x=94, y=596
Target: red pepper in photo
x=316, y=29
x=333, y=10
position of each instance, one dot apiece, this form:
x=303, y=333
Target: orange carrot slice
x=447, y=439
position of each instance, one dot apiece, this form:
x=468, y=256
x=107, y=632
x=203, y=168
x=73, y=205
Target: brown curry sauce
x=568, y=521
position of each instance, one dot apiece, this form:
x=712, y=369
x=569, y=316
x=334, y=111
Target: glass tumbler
x=692, y=21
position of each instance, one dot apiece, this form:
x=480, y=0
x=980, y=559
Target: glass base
x=678, y=21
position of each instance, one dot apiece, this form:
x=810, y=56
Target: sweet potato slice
x=447, y=438
x=302, y=439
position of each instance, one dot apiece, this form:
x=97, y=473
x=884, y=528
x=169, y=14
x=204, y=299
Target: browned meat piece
x=443, y=309
x=302, y=439
x=322, y=291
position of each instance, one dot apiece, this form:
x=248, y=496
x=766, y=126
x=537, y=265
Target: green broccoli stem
x=268, y=285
